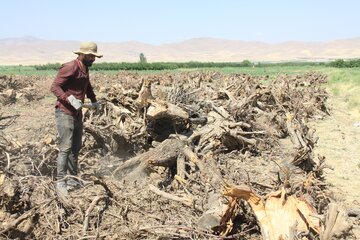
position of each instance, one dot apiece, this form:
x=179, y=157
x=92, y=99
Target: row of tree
x=340, y=63
x=144, y=65
x=152, y=66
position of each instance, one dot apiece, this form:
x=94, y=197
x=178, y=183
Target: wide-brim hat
x=88, y=48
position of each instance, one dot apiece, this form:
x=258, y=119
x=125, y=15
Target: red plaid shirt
x=74, y=80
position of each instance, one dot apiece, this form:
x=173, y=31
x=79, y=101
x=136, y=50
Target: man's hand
x=96, y=105
x=76, y=103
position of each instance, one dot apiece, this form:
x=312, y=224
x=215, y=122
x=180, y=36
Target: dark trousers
x=70, y=130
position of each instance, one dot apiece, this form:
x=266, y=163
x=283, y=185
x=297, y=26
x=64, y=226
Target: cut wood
x=159, y=109
x=145, y=95
x=279, y=218
x=138, y=168
x=336, y=223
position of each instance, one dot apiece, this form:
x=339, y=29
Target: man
x=70, y=86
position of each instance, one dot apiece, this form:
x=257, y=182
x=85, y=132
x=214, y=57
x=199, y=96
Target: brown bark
x=137, y=168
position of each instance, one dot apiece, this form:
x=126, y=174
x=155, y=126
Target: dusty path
x=339, y=142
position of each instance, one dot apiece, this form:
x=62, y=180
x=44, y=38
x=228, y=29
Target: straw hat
x=88, y=48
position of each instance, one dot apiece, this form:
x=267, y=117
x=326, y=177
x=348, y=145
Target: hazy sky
x=161, y=21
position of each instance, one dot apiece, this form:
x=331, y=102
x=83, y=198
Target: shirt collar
x=82, y=67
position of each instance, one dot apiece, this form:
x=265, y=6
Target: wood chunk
x=137, y=168
x=278, y=217
x=336, y=223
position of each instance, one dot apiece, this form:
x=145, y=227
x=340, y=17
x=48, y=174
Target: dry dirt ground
x=35, y=117
x=339, y=142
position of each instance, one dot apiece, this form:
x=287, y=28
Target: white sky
x=161, y=21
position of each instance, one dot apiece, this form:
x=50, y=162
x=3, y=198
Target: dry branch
x=13, y=224
x=92, y=205
x=184, y=200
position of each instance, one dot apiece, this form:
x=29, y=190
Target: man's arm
x=90, y=93
x=63, y=76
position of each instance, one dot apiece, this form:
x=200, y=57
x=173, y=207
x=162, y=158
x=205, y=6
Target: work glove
x=76, y=103
x=96, y=105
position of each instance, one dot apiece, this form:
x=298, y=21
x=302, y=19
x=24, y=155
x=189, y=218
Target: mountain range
x=30, y=50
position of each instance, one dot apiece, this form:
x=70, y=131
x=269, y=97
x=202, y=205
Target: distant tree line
x=340, y=63
x=144, y=65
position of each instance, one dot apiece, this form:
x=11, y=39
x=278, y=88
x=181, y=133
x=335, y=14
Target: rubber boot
x=61, y=188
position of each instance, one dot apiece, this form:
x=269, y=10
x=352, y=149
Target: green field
x=25, y=71
x=342, y=82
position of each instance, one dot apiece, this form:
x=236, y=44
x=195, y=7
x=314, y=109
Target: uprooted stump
x=138, y=168
x=165, y=119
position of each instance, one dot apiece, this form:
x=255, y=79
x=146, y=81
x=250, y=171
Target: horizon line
x=34, y=38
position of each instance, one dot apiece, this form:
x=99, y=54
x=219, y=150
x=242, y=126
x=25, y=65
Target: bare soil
x=339, y=142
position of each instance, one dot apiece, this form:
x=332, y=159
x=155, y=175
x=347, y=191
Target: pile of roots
x=18, y=89
x=199, y=155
